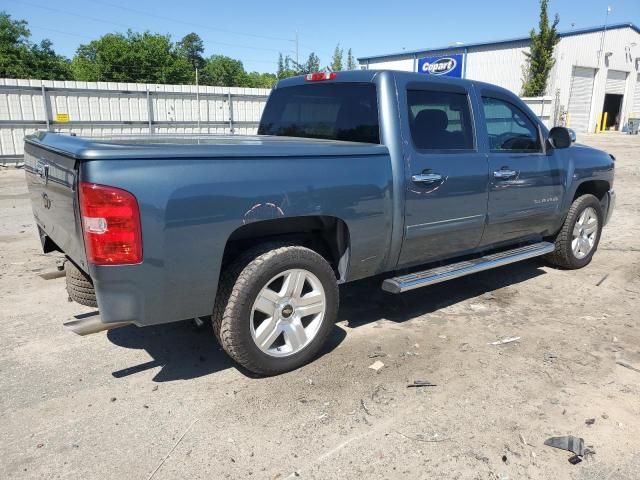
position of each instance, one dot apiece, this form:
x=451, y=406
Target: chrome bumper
x=611, y=204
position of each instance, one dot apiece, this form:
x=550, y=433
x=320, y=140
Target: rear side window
x=336, y=111
x=440, y=120
x=509, y=129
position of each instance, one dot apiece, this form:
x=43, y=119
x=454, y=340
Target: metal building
x=594, y=84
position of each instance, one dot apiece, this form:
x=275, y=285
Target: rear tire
x=299, y=289
x=79, y=286
x=574, y=245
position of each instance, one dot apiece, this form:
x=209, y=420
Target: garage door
x=635, y=108
x=580, y=98
x=616, y=81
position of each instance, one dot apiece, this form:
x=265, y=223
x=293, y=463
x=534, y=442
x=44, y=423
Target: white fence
x=542, y=107
x=108, y=108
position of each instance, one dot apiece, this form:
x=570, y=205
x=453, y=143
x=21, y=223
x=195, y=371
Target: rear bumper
x=611, y=204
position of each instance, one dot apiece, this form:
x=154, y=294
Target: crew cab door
x=526, y=184
x=446, y=175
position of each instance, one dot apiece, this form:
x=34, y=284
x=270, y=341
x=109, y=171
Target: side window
x=440, y=120
x=510, y=130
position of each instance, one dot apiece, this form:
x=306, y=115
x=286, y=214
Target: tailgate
x=52, y=178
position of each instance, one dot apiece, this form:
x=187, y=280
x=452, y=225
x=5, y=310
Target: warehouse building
x=594, y=84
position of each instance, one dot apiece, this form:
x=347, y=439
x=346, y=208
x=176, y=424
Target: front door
x=446, y=184
x=526, y=184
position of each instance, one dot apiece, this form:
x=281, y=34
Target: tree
x=260, y=80
x=285, y=69
x=539, y=60
x=311, y=65
x=192, y=47
x=223, y=71
x=20, y=58
x=351, y=62
x=132, y=57
x=336, y=60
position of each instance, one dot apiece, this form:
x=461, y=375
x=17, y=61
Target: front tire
x=275, y=308
x=578, y=239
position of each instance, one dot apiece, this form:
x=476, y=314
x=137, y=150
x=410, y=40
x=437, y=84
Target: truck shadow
x=183, y=351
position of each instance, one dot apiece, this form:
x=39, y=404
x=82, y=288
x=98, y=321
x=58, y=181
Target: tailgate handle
x=42, y=169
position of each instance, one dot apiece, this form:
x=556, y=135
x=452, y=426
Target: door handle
x=426, y=178
x=504, y=174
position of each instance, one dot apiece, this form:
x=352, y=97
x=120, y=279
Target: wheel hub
x=288, y=312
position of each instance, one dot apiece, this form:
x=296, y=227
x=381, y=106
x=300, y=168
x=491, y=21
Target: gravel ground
x=165, y=403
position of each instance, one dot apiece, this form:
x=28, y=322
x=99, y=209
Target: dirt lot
x=165, y=403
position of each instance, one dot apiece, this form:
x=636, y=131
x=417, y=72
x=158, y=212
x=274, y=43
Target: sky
x=256, y=31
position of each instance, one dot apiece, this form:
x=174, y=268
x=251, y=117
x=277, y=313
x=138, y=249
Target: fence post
x=45, y=107
x=150, y=112
x=230, y=112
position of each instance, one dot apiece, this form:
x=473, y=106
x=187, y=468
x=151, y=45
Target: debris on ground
x=377, y=354
x=421, y=437
x=571, y=444
x=364, y=407
x=550, y=357
x=523, y=440
x=377, y=365
x=421, y=383
x=602, y=280
x=624, y=364
x=590, y=421
x=505, y=340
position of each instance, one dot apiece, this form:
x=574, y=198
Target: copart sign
x=450, y=65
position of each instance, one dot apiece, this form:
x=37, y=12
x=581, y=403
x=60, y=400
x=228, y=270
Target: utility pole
x=198, y=100
x=604, y=32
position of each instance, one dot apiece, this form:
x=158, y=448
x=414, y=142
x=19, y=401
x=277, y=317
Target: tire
x=235, y=318
x=564, y=255
x=79, y=286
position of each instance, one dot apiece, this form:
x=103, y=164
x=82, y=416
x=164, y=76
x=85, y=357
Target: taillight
x=111, y=225
x=319, y=76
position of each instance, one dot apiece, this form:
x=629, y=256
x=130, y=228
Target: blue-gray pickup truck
x=416, y=179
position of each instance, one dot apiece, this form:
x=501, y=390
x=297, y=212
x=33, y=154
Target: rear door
x=525, y=182
x=446, y=175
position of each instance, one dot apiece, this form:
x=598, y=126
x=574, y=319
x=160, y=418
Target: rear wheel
x=579, y=236
x=79, y=285
x=275, y=308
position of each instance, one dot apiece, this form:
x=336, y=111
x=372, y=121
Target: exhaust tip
x=88, y=323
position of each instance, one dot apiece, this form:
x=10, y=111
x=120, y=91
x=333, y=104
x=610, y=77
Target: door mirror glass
x=560, y=137
x=572, y=134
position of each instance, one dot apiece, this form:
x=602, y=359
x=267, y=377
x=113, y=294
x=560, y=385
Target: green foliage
x=311, y=65
x=540, y=59
x=224, y=71
x=132, y=57
x=20, y=58
x=351, y=61
x=192, y=47
x=336, y=60
x=260, y=80
x=285, y=68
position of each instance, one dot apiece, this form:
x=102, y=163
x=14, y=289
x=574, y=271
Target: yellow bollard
x=604, y=121
x=599, y=124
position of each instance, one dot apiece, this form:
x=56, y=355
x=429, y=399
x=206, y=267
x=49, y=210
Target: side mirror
x=572, y=134
x=560, y=137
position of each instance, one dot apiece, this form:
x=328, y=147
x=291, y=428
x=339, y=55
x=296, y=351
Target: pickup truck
x=416, y=179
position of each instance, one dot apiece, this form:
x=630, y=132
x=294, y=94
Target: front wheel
x=275, y=308
x=579, y=236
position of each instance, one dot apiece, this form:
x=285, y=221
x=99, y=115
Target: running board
x=460, y=269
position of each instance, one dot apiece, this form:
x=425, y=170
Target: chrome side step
x=460, y=269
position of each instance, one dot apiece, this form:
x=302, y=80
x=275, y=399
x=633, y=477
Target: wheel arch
x=326, y=235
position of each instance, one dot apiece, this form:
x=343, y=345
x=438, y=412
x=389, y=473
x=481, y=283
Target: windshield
x=335, y=111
